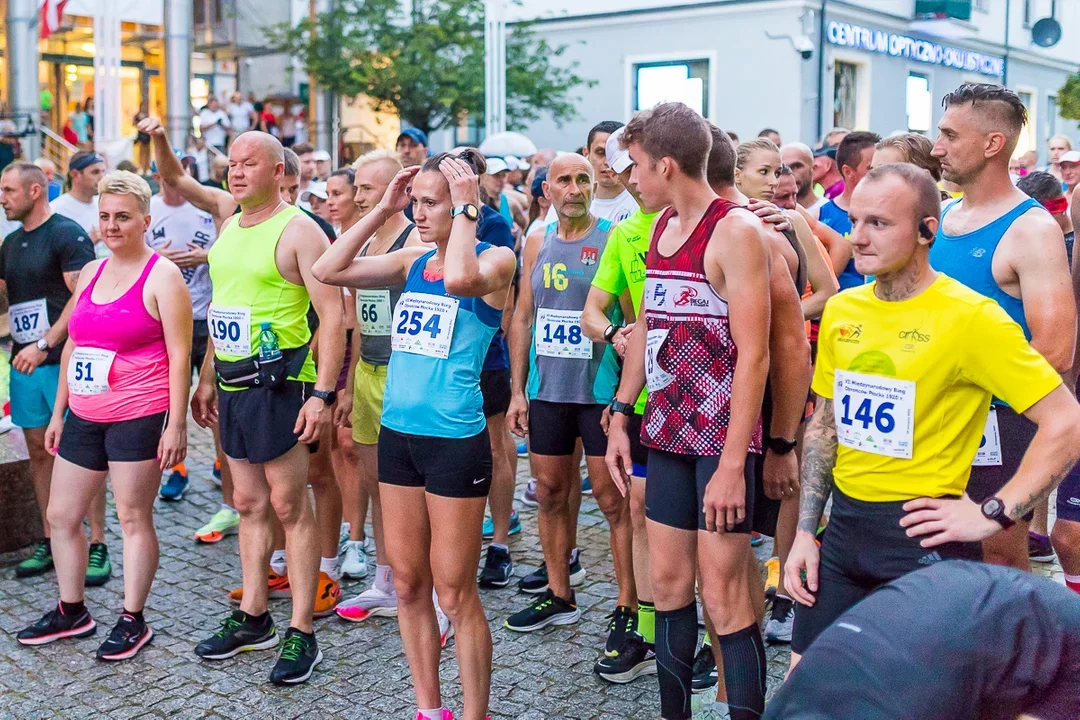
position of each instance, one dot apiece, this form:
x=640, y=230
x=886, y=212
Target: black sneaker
x=634, y=659
x=623, y=624
x=126, y=639
x=536, y=582
x=55, y=625
x=497, y=568
x=545, y=610
x=239, y=633
x=298, y=658
x=705, y=677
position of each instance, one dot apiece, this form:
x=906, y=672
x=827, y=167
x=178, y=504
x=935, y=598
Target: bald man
x=272, y=411
x=561, y=385
x=800, y=158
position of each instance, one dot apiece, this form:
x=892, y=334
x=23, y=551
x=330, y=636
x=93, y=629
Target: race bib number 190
x=230, y=329
x=424, y=324
x=28, y=321
x=874, y=414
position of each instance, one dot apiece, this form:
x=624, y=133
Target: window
x=981, y=5
x=919, y=103
x=1051, y=115
x=845, y=77
x=1027, y=134
x=1027, y=13
x=684, y=81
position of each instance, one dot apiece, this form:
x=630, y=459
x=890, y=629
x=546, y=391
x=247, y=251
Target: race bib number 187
x=28, y=321
x=875, y=414
x=424, y=324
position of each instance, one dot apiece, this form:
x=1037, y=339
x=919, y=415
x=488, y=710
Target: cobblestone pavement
x=364, y=673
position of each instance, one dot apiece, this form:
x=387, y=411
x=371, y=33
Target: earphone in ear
x=924, y=230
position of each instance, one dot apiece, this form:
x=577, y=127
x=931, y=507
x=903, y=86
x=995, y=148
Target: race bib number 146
x=875, y=414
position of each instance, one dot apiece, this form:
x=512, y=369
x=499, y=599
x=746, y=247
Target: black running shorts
x=639, y=454
x=864, y=548
x=555, y=427
x=257, y=423
x=1016, y=433
x=495, y=387
x=93, y=445
x=200, y=336
x=675, y=490
x=448, y=467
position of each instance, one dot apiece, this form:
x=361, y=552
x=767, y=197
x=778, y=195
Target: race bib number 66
x=874, y=414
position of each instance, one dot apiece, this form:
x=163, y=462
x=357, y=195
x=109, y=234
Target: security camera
x=804, y=46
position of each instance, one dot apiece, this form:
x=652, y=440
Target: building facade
x=804, y=66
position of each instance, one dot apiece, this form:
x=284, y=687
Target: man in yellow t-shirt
x=906, y=368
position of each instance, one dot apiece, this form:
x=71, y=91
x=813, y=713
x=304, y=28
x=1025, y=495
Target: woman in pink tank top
x=125, y=378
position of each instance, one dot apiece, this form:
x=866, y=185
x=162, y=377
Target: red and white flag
x=51, y=12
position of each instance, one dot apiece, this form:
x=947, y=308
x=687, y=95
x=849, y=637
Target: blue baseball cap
x=538, y=183
x=415, y=134
x=180, y=155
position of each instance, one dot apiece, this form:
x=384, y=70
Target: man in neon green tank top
x=270, y=412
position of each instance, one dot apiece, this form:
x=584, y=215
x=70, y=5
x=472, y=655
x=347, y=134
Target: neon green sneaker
x=40, y=562
x=226, y=521
x=99, y=569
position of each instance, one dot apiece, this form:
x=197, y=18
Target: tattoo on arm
x=1025, y=506
x=72, y=279
x=819, y=458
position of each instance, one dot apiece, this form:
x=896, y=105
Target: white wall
x=148, y=12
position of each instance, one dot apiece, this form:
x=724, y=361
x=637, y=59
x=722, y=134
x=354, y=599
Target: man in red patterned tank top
x=702, y=347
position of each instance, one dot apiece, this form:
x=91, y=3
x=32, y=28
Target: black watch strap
x=780, y=446
x=611, y=330
x=327, y=396
x=993, y=508
x=626, y=409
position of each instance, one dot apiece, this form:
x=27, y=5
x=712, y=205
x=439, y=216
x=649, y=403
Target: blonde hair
x=916, y=150
x=744, y=150
x=1065, y=138
x=122, y=182
x=378, y=156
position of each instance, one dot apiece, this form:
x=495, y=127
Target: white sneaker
x=370, y=603
x=343, y=536
x=354, y=559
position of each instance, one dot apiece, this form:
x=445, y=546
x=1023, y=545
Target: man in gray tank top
x=561, y=385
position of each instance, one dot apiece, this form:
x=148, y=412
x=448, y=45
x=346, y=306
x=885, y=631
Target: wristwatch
x=469, y=210
x=43, y=345
x=611, y=330
x=780, y=446
x=994, y=509
x=327, y=396
x=626, y=409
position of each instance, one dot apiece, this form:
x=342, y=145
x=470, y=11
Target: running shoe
x=772, y=577
x=634, y=659
x=489, y=526
x=536, y=582
x=756, y=539
x=373, y=602
x=327, y=596
x=782, y=620
x=446, y=715
x=497, y=568
x=98, y=569
x=37, y=564
x=55, y=625
x=125, y=641
x=226, y=521
x=277, y=586
x=543, y=611
x=216, y=474
x=705, y=676
x=523, y=448
x=1039, y=548
x=586, y=486
x=623, y=624
x=343, y=536
x=528, y=497
x=354, y=559
x=298, y=657
x=446, y=628
x=239, y=633
x=174, y=487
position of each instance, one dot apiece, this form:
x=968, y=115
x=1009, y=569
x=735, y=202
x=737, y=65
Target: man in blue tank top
x=853, y=157
x=1003, y=244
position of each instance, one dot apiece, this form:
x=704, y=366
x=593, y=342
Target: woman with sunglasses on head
x=434, y=452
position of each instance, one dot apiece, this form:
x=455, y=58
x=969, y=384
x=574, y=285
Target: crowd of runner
x=864, y=351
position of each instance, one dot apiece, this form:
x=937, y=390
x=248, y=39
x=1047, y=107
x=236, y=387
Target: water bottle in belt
x=268, y=345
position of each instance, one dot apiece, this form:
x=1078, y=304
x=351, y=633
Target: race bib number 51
x=230, y=329
x=424, y=324
x=88, y=371
x=874, y=414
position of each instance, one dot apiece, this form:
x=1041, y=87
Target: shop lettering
x=885, y=43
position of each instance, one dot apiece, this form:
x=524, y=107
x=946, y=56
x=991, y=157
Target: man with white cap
x=315, y=196
x=1070, y=170
x=323, y=165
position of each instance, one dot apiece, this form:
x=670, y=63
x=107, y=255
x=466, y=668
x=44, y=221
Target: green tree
x=1069, y=98
x=427, y=64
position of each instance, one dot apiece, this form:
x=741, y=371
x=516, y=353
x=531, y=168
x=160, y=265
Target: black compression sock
x=72, y=609
x=744, y=672
x=676, y=638
x=136, y=616
x=258, y=619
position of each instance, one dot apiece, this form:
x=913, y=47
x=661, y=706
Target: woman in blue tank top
x=434, y=452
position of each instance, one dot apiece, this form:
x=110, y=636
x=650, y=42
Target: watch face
x=992, y=507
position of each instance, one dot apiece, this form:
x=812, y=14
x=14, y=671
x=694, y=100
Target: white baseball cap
x=496, y=165
x=618, y=158
x=1072, y=156
x=320, y=156
x=315, y=190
